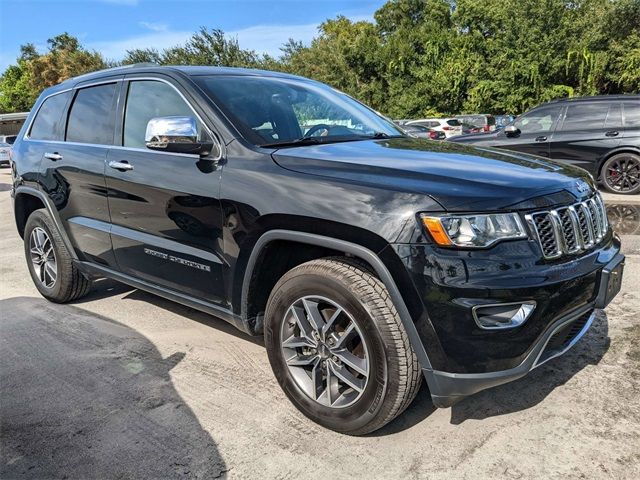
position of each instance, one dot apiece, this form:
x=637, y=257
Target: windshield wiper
x=297, y=141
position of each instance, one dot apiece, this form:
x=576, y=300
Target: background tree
x=417, y=58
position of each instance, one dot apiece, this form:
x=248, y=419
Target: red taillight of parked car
x=447, y=128
x=433, y=135
x=486, y=128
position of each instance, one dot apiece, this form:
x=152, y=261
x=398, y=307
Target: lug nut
x=335, y=359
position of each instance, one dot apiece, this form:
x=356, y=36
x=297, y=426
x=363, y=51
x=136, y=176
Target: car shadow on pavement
x=538, y=384
x=82, y=396
x=104, y=288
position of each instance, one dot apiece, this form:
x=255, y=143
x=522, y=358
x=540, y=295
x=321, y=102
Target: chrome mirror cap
x=161, y=131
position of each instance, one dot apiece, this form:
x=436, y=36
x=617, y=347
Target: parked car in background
x=418, y=131
x=450, y=126
x=8, y=139
x=468, y=129
x=5, y=154
x=600, y=134
x=486, y=123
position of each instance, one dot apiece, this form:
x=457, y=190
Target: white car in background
x=5, y=154
x=450, y=126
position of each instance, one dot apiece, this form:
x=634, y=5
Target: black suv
x=599, y=134
x=368, y=259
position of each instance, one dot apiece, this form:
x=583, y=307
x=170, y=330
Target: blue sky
x=113, y=26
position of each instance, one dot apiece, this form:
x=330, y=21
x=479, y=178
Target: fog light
x=503, y=315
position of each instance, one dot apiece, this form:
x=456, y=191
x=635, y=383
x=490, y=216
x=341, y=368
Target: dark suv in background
x=599, y=134
x=368, y=259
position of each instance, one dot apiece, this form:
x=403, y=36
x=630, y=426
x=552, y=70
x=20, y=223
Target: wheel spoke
x=331, y=320
x=50, y=271
x=301, y=360
x=347, y=377
x=314, y=315
x=351, y=360
x=316, y=380
x=346, y=335
x=297, y=342
x=301, y=319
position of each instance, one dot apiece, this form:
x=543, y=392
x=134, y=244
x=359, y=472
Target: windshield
x=272, y=111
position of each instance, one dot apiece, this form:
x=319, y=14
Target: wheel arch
x=26, y=201
x=344, y=247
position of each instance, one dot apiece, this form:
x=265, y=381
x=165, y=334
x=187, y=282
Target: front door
x=534, y=131
x=165, y=208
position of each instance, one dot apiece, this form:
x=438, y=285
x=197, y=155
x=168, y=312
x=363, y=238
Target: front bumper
x=449, y=388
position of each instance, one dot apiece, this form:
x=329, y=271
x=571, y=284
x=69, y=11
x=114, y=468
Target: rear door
x=72, y=171
x=165, y=209
x=587, y=132
x=535, y=129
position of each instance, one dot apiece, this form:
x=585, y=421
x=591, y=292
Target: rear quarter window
x=632, y=114
x=453, y=123
x=46, y=124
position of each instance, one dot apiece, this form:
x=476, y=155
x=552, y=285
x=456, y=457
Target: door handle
x=55, y=156
x=122, y=166
x=612, y=133
x=541, y=138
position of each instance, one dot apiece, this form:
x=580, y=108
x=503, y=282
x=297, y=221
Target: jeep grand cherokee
x=369, y=260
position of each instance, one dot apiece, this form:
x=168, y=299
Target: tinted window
x=585, y=116
x=45, y=125
x=453, y=123
x=148, y=99
x=632, y=114
x=614, y=117
x=92, y=116
x=538, y=121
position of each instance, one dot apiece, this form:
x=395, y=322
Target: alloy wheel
x=43, y=257
x=623, y=174
x=325, y=351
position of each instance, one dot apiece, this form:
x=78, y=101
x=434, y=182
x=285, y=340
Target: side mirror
x=178, y=135
x=511, y=131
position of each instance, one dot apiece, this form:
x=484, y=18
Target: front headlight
x=473, y=231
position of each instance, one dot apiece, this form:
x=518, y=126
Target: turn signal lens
x=435, y=228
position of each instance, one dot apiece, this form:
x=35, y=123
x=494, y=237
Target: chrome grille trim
x=571, y=229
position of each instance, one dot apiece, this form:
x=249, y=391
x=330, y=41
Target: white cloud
x=117, y=49
x=154, y=27
x=269, y=38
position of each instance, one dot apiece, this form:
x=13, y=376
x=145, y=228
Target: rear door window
x=46, y=125
x=92, y=115
x=585, y=116
x=453, y=123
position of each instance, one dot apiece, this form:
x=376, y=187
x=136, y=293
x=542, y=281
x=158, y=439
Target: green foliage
x=417, y=58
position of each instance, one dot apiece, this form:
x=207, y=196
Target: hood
x=457, y=176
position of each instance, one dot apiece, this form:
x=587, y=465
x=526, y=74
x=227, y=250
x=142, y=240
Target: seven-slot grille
x=570, y=229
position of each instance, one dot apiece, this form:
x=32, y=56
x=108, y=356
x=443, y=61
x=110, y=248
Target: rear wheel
x=338, y=347
x=621, y=173
x=50, y=264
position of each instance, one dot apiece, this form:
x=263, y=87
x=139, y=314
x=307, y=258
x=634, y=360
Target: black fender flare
x=53, y=213
x=358, y=251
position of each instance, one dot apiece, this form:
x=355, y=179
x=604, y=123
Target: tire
x=369, y=328
x=621, y=174
x=69, y=284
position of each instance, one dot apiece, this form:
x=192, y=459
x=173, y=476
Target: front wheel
x=621, y=174
x=338, y=348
